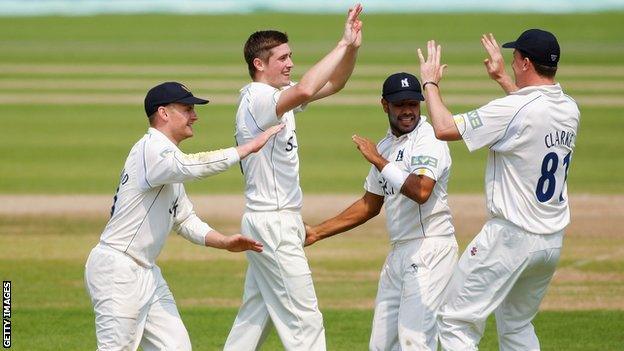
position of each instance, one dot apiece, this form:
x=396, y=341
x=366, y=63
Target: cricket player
x=409, y=173
x=132, y=302
x=278, y=285
x=530, y=136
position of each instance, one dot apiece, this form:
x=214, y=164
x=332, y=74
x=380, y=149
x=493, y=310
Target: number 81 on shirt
x=547, y=182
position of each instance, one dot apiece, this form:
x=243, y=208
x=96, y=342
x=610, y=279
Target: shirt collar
x=160, y=136
x=548, y=89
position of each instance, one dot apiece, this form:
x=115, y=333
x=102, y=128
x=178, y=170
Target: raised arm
x=431, y=73
x=416, y=187
x=333, y=69
x=353, y=35
x=495, y=64
x=359, y=212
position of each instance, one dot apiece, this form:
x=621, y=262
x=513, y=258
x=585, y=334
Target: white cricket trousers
x=505, y=270
x=133, y=304
x=411, y=288
x=278, y=287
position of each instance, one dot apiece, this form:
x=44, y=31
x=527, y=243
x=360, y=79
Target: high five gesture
x=495, y=64
x=353, y=27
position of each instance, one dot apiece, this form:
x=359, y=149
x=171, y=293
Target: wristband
x=394, y=175
x=430, y=82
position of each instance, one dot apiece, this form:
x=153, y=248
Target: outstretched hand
x=353, y=27
x=238, y=243
x=258, y=142
x=495, y=64
x=430, y=68
x=369, y=151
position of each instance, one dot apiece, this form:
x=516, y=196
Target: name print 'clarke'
x=559, y=137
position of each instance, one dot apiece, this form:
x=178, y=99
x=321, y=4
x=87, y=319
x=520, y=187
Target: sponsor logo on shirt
x=387, y=189
x=474, y=119
x=165, y=152
x=174, y=208
x=424, y=161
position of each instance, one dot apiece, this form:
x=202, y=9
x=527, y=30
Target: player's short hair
x=260, y=44
x=151, y=118
x=542, y=70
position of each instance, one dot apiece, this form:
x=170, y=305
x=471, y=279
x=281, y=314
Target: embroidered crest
x=399, y=156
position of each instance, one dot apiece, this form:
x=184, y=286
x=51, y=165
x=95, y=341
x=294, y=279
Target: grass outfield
x=44, y=256
x=81, y=149
x=71, y=92
x=71, y=329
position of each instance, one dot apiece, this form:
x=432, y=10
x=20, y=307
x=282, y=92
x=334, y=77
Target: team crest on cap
x=404, y=83
x=553, y=57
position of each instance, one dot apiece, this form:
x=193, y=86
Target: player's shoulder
x=509, y=105
x=155, y=142
x=384, y=142
x=516, y=99
x=424, y=132
x=258, y=88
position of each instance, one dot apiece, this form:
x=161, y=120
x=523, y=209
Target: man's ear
x=384, y=105
x=258, y=64
x=526, y=64
x=163, y=113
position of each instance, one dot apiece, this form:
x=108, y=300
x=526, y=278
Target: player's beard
x=399, y=126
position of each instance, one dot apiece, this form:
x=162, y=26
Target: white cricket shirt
x=417, y=152
x=151, y=199
x=531, y=135
x=271, y=174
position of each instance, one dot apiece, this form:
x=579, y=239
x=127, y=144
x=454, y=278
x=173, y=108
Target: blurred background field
x=71, y=92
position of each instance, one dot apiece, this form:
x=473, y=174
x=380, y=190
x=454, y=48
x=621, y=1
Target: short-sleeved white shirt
x=417, y=152
x=531, y=135
x=271, y=174
x=151, y=199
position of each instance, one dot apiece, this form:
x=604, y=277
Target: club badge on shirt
x=424, y=161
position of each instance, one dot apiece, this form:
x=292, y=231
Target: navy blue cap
x=402, y=86
x=167, y=93
x=538, y=45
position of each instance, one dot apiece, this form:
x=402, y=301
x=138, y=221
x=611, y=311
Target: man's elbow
x=424, y=197
x=373, y=211
x=305, y=92
x=447, y=134
x=421, y=196
x=440, y=134
x=337, y=86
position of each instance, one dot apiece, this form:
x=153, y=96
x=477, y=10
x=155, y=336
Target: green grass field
x=71, y=92
x=44, y=258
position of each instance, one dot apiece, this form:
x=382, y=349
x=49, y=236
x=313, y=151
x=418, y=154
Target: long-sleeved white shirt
x=151, y=199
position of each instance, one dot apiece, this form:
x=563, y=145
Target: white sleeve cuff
x=394, y=176
x=232, y=155
x=194, y=230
